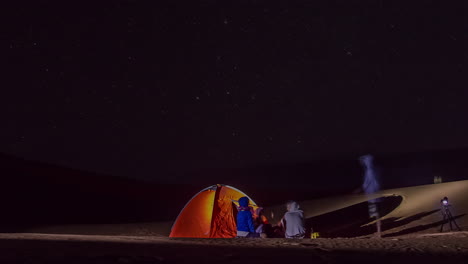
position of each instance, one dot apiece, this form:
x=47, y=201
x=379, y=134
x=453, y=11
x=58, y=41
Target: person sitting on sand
x=293, y=221
x=245, y=223
x=261, y=223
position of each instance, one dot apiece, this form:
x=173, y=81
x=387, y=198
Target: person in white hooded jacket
x=293, y=221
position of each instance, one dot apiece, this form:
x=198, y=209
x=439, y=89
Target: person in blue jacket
x=245, y=223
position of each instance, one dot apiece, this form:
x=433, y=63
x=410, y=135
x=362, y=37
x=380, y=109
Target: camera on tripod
x=447, y=215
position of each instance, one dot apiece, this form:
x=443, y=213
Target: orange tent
x=211, y=213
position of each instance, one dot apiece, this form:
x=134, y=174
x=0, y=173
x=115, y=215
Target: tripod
x=448, y=217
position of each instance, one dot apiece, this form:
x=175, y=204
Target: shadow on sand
x=351, y=221
x=421, y=227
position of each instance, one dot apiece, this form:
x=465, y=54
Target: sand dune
x=406, y=210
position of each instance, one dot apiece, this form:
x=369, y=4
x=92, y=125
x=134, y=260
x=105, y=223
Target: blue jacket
x=244, y=216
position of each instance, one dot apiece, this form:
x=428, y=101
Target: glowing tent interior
x=211, y=213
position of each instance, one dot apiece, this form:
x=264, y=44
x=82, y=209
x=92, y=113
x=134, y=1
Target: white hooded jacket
x=294, y=219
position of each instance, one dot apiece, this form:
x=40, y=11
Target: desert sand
x=47, y=248
x=411, y=220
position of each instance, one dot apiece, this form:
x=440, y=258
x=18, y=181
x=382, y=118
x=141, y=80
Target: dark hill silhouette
x=35, y=193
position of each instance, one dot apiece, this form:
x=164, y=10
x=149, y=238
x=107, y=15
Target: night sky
x=137, y=89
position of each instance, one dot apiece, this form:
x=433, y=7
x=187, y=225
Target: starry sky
x=139, y=89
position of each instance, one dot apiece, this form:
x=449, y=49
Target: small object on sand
x=314, y=235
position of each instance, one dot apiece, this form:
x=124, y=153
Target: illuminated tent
x=211, y=213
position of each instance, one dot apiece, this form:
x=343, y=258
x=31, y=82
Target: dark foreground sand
x=47, y=248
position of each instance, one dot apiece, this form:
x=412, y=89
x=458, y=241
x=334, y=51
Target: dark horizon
x=453, y=154
x=434, y=163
